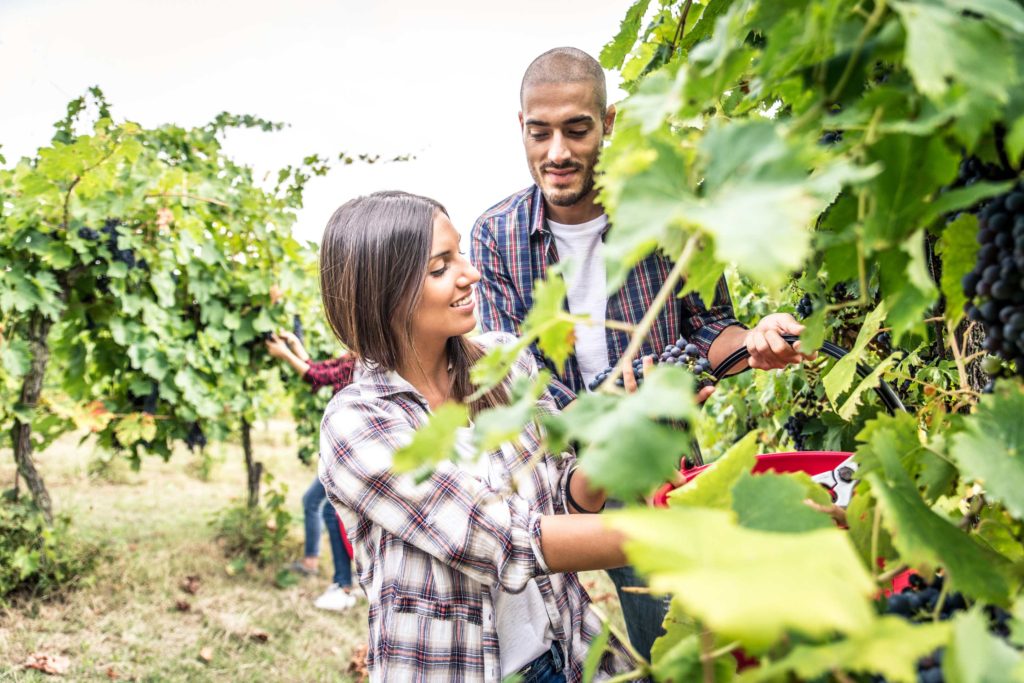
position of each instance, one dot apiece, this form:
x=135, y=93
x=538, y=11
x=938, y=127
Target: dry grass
x=126, y=624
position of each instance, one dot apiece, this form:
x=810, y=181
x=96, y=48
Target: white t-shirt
x=581, y=244
x=521, y=619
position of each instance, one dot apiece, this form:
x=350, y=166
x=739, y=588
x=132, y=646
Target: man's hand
x=768, y=350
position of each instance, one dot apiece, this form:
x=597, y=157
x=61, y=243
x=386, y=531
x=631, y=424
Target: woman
x=466, y=580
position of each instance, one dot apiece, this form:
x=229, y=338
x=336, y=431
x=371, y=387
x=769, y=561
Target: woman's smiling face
x=446, y=304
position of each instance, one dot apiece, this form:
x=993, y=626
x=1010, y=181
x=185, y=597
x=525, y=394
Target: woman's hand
x=277, y=347
x=294, y=344
x=630, y=383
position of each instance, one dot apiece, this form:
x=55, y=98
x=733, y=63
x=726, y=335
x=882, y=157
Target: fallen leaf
x=111, y=674
x=206, y=654
x=259, y=635
x=191, y=584
x=182, y=605
x=55, y=665
x=357, y=664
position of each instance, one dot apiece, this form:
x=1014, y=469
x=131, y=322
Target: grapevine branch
x=647, y=322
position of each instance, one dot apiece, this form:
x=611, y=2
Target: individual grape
x=88, y=234
x=830, y=137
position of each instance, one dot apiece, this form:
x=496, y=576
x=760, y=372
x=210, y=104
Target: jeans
x=315, y=509
x=642, y=613
x=548, y=668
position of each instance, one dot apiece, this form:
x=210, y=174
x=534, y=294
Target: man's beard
x=565, y=197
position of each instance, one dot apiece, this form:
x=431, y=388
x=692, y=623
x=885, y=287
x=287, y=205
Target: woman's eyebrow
x=446, y=252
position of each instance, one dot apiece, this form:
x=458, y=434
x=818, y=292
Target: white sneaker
x=335, y=599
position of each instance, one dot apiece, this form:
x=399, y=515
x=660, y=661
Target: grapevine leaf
x=492, y=369
x=658, y=96
x=498, y=425
x=682, y=662
x=860, y=516
x=135, y=427
x=853, y=401
x=625, y=447
x=434, y=442
x=840, y=377
x=547, y=321
x=924, y=539
x=962, y=198
x=913, y=168
x=891, y=648
x=613, y=54
x=813, y=335
x=942, y=47
x=595, y=652
x=703, y=275
x=958, y=248
x=705, y=23
x=990, y=449
x=909, y=289
x=1006, y=12
x=16, y=357
x=977, y=656
x=1015, y=139
x=714, y=486
x=747, y=585
x=775, y=502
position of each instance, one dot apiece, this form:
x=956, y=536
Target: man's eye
x=538, y=136
x=578, y=133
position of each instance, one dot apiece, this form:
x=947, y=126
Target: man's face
x=562, y=131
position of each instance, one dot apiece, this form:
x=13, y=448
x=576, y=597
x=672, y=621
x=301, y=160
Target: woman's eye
x=439, y=272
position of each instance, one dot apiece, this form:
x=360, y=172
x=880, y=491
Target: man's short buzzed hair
x=566, y=65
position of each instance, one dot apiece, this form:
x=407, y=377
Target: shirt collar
x=538, y=220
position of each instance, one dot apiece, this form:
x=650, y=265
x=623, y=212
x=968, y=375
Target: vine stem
x=185, y=195
x=647, y=322
x=869, y=26
x=892, y=573
x=707, y=660
x=876, y=530
x=958, y=358
x=644, y=666
x=629, y=676
x=941, y=602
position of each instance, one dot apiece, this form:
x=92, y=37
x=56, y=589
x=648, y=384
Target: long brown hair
x=373, y=259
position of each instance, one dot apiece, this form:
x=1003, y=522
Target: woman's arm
x=579, y=543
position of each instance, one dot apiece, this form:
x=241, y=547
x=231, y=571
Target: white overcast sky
x=438, y=79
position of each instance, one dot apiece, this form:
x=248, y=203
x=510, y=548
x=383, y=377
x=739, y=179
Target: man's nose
x=558, y=152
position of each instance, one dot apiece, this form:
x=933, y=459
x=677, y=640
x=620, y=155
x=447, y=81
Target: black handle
x=885, y=392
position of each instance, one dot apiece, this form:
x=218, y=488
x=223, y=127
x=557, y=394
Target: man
x=564, y=120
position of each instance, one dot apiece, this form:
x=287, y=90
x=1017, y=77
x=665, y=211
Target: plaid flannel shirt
x=334, y=372
x=430, y=555
x=512, y=248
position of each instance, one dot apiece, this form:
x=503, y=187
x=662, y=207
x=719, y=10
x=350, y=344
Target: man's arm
x=499, y=304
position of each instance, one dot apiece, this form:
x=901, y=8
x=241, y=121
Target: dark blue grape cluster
x=804, y=307
x=995, y=287
x=794, y=426
x=917, y=602
x=830, y=137
x=195, y=438
x=682, y=353
x=297, y=328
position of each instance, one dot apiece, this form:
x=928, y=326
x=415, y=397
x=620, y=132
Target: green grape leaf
x=595, y=652
x=658, y=97
x=840, y=377
x=15, y=356
x=703, y=274
x=547, y=322
x=747, y=585
x=990, y=449
x=625, y=445
x=1015, y=139
x=925, y=539
x=853, y=401
x=135, y=427
x=962, y=198
x=496, y=426
x=713, y=487
x=942, y=48
x=890, y=648
x=705, y=24
x=913, y=168
x=775, y=502
x=682, y=662
x=958, y=247
x=433, y=443
x=977, y=656
x=613, y=54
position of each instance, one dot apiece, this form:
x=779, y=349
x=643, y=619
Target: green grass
x=123, y=624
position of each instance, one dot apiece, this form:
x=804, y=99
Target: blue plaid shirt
x=512, y=248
